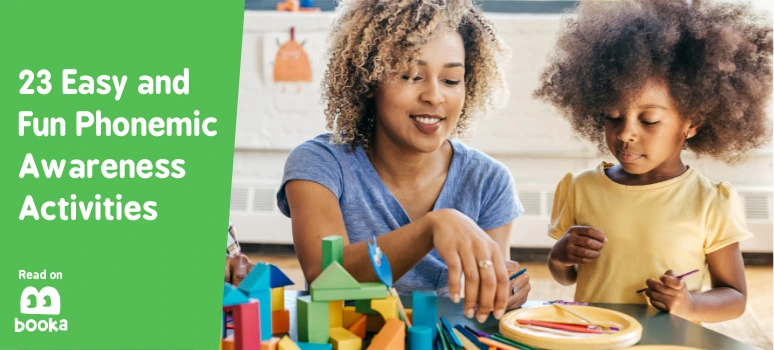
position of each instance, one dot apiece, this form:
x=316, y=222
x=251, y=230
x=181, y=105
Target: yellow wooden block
x=287, y=344
x=342, y=339
x=270, y=344
x=335, y=313
x=409, y=315
x=387, y=307
x=349, y=316
x=278, y=299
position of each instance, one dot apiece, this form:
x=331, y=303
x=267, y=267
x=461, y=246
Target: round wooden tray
x=662, y=347
x=629, y=334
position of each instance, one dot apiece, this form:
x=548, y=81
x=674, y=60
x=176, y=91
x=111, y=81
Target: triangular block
x=258, y=279
x=278, y=278
x=232, y=295
x=391, y=337
x=335, y=277
x=287, y=344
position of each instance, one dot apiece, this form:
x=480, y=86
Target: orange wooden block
x=227, y=343
x=391, y=337
x=359, y=327
x=374, y=323
x=280, y=321
x=408, y=315
x=349, y=316
x=270, y=344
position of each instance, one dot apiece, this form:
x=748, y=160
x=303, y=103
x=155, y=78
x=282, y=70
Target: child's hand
x=670, y=294
x=580, y=245
x=237, y=268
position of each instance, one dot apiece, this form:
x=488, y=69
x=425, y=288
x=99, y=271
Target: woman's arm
x=315, y=214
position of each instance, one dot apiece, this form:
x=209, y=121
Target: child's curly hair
x=714, y=58
x=375, y=39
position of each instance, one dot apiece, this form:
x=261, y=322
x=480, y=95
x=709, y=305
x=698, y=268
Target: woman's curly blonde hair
x=372, y=40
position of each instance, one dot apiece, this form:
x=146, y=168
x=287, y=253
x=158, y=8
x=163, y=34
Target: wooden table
x=658, y=327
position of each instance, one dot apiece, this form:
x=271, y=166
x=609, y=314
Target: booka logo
x=43, y=302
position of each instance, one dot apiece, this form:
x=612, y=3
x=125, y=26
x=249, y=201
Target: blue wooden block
x=278, y=278
x=425, y=310
x=232, y=295
x=420, y=338
x=313, y=346
x=264, y=297
x=307, y=3
x=223, y=324
x=258, y=279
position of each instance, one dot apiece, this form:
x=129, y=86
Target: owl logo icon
x=43, y=302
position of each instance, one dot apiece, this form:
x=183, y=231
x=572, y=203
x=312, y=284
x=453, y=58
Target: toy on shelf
x=296, y=6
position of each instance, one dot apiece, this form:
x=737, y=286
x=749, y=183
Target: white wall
x=527, y=136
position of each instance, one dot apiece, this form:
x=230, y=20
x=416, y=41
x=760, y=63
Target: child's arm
x=725, y=301
x=579, y=246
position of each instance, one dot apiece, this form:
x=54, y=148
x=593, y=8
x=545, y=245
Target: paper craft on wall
x=289, y=65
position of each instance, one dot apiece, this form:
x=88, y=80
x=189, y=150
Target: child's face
x=421, y=111
x=650, y=134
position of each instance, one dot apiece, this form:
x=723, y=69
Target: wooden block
x=342, y=339
x=466, y=344
x=264, y=296
x=227, y=343
x=420, y=338
x=370, y=290
x=425, y=306
x=232, y=295
x=312, y=318
x=313, y=346
x=391, y=337
x=350, y=315
x=364, y=307
x=270, y=344
x=258, y=279
x=280, y=322
x=387, y=307
x=408, y=315
x=278, y=299
x=334, y=277
x=358, y=327
x=335, y=313
x=287, y=344
x=374, y=323
x=333, y=250
x=247, y=325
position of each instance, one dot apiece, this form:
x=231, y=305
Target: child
x=646, y=79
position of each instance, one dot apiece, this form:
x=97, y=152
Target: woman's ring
x=484, y=263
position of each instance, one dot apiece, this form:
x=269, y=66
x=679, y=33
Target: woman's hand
x=468, y=250
x=237, y=268
x=521, y=285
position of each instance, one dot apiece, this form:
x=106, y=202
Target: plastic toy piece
x=313, y=346
x=278, y=278
x=387, y=307
x=343, y=339
x=425, y=306
x=280, y=322
x=332, y=250
x=358, y=327
x=232, y=295
x=466, y=343
x=420, y=338
x=364, y=307
x=350, y=315
x=288, y=6
x=392, y=336
x=278, y=299
x=258, y=279
x=369, y=290
x=312, y=318
x=270, y=344
x=374, y=323
x=287, y=344
x=334, y=277
x=335, y=313
x=227, y=343
x=247, y=325
x=380, y=263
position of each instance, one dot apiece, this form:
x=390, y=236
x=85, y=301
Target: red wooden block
x=247, y=325
x=280, y=321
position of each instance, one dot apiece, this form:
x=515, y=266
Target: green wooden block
x=370, y=290
x=333, y=250
x=312, y=317
x=364, y=307
x=335, y=277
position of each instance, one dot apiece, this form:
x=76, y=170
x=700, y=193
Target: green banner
x=117, y=127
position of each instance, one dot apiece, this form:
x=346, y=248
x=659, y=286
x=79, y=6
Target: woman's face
x=420, y=112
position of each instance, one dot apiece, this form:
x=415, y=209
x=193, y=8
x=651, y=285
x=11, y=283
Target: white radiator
x=258, y=220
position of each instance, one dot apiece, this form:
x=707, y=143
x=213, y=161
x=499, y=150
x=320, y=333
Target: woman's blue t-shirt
x=476, y=185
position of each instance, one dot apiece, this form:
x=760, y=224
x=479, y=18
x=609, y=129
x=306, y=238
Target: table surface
x=658, y=327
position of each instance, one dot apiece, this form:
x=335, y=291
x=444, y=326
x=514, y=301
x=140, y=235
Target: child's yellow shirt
x=650, y=229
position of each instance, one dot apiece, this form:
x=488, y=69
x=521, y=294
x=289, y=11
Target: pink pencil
x=681, y=276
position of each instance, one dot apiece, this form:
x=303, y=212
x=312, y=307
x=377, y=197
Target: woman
x=404, y=77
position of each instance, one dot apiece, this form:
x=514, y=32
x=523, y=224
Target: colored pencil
x=517, y=274
x=681, y=276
